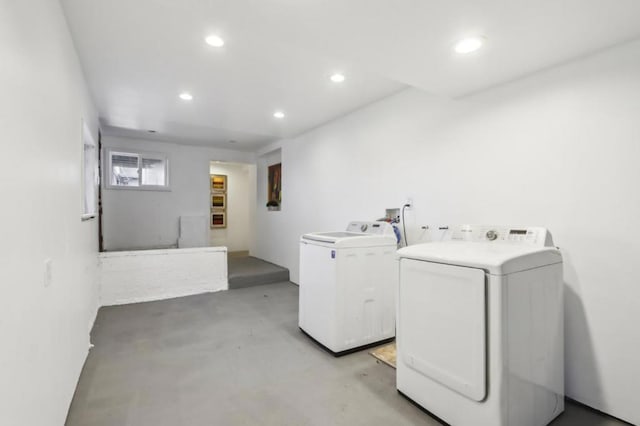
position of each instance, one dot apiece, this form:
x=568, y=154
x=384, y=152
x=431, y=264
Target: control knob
x=492, y=235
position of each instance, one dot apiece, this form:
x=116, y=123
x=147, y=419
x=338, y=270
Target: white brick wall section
x=145, y=275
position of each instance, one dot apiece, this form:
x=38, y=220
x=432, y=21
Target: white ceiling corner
x=138, y=55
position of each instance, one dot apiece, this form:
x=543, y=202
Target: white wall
x=138, y=219
x=268, y=244
x=45, y=330
x=241, y=195
x=559, y=149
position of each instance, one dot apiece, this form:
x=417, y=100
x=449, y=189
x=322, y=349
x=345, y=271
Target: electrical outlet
x=409, y=202
x=48, y=274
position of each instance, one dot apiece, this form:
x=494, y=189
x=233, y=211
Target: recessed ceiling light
x=337, y=78
x=214, y=40
x=185, y=96
x=278, y=114
x=468, y=45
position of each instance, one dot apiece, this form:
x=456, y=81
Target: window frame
x=108, y=169
x=88, y=141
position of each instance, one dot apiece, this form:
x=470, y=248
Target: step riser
x=247, y=271
x=243, y=282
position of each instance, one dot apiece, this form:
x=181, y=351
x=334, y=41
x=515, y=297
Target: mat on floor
x=386, y=354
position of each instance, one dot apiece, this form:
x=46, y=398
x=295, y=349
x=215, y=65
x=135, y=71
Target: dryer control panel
x=377, y=228
x=533, y=236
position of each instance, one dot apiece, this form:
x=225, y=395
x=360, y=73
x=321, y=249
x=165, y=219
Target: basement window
x=137, y=170
x=89, y=174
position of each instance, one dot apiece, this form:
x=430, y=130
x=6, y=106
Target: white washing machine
x=348, y=285
x=480, y=327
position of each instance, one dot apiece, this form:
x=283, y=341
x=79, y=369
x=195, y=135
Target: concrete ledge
x=249, y=271
x=146, y=275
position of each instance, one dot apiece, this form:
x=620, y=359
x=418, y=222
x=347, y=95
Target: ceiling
x=139, y=55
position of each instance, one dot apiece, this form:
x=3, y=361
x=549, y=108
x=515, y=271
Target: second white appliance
x=480, y=327
x=348, y=283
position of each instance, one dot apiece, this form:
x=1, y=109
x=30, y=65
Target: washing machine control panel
x=532, y=236
x=377, y=228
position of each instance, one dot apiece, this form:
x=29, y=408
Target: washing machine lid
x=346, y=239
x=496, y=258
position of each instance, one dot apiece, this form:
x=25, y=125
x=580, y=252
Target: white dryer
x=348, y=284
x=480, y=327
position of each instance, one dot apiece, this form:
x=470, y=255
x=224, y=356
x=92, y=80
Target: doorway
x=232, y=202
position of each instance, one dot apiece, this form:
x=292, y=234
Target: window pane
x=89, y=171
x=124, y=169
x=89, y=206
x=153, y=172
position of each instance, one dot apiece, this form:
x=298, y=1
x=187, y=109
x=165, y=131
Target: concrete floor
x=237, y=358
x=248, y=271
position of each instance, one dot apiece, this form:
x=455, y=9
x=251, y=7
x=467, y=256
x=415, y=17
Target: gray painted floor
x=247, y=271
x=236, y=358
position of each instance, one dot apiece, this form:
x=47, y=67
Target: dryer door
x=442, y=324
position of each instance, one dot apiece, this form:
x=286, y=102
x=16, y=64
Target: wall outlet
x=48, y=274
x=409, y=202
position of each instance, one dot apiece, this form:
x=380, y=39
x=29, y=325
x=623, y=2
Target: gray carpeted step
x=250, y=271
